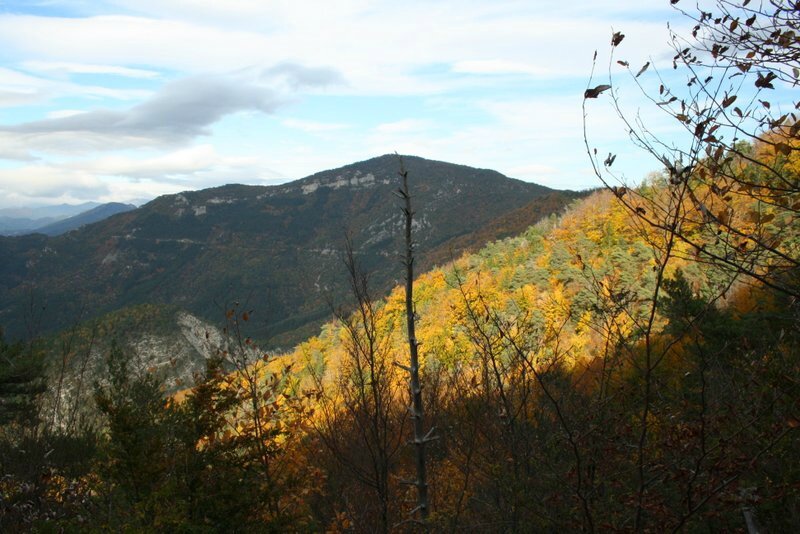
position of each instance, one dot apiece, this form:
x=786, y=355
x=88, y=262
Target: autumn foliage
x=630, y=365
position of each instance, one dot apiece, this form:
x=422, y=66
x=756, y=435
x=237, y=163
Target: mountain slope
x=98, y=213
x=560, y=348
x=19, y=221
x=274, y=248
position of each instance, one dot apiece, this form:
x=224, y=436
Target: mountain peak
x=276, y=246
x=425, y=174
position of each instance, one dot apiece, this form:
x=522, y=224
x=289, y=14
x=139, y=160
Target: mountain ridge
x=93, y=215
x=275, y=247
x=27, y=220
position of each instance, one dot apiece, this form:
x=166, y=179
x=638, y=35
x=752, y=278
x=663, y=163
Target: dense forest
x=631, y=364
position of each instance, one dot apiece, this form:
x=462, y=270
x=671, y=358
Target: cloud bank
x=141, y=97
x=186, y=108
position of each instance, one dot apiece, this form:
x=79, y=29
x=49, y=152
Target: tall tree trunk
x=417, y=411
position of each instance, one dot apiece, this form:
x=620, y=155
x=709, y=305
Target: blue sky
x=130, y=99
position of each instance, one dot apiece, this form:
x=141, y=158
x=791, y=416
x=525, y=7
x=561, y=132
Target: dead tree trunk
x=417, y=411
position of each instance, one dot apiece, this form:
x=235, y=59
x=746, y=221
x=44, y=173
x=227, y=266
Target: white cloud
x=18, y=88
x=539, y=140
x=374, y=47
x=83, y=68
x=250, y=56
x=181, y=164
x=495, y=66
x=313, y=126
x=404, y=126
x=178, y=112
x=22, y=146
x=126, y=41
x=49, y=181
x=61, y=113
x=132, y=176
x=533, y=171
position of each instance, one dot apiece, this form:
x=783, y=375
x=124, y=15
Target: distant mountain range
x=56, y=220
x=103, y=211
x=276, y=249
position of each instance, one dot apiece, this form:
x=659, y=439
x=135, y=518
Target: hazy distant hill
x=93, y=215
x=24, y=220
x=57, y=211
x=276, y=248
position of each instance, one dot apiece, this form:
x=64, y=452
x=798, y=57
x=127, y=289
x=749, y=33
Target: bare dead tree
x=417, y=410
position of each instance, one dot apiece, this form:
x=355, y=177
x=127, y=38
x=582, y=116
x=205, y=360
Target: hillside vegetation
x=569, y=372
x=629, y=364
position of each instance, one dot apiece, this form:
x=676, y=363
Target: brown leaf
x=778, y=122
x=617, y=38
x=595, y=91
x=728, y=101
x=765, y=81
x=644, y=68
x=700, y=129
x=783, y=148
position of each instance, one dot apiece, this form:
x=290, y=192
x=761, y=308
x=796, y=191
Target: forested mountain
x=487, y=360
x=277, y=248
x=545, y=359
x=540, y=352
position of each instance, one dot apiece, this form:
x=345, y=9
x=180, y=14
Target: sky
x=125, y=100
